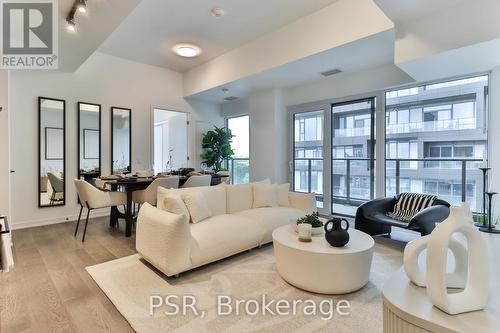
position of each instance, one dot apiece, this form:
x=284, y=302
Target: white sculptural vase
x=474, y=296
x=418, y=276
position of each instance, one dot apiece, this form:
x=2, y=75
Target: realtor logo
x=29, y=34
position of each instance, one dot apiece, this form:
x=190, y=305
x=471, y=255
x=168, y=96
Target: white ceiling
x=148, y=34
x=376, y=50
x=407, y=10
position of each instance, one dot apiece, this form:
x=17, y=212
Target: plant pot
x=314, y=231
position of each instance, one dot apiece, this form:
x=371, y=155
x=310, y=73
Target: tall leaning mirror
x=51, y=152
x=121, y=140
x=89, y=141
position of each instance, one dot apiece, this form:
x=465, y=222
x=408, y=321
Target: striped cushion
x=409, y=204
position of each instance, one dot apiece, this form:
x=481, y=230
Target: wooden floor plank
x=50, y=290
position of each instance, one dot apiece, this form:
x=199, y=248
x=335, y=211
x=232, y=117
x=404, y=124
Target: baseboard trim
x=50, y=221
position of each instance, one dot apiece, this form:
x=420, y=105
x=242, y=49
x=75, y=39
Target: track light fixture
x=70, y=20
x=81, y=7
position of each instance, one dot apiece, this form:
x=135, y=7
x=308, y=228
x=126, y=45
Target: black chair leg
x=79, y=217
x=86, y=222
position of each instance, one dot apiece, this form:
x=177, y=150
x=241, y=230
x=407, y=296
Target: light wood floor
x=50, y=291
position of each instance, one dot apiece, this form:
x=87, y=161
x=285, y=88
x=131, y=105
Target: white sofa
x=174, y=245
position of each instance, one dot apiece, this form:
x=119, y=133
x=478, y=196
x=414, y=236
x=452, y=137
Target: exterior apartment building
x=435, y=140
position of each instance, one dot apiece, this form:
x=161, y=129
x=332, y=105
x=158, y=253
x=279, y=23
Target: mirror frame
x=113, y=108
x=100, y=136
x=40, y=99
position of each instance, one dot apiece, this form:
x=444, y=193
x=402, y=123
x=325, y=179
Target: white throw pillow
x=282, y=193
x=264, y=195
x=173, y=203
x=239, y=198
x=216, y=198
x=197, y=205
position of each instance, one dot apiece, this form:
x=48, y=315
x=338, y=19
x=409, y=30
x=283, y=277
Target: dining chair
x=149, y=194
x=57, y=184
x=196, y=181
x=94, y=198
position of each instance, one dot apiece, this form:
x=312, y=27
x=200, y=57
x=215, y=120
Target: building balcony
x=432, y=126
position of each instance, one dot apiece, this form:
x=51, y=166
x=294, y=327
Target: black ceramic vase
x=334, y=233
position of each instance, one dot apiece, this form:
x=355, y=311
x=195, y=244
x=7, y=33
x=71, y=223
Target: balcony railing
x=239, y=169
x=313, y=178
x=353, y=179
x=432, y=126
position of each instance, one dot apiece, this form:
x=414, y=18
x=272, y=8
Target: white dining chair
x=149, y=194
x=57, y=185
x=196, y=181
x=93, y=198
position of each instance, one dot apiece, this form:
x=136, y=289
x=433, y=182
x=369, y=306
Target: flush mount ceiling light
x=82, y=6
x=217, y=12
x=187, y=50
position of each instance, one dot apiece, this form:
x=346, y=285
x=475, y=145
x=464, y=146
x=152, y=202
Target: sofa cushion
x=215, y=195
x=197, y=205
x=221, y=236
x=264, y=195
x=270, y=218
x=239, y=197
x=173, y=203
x=282, y=194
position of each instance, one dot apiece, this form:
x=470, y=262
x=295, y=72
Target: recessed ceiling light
x=218, y=12
x=187, y=50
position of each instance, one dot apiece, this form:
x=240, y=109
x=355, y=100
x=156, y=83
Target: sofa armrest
x=380, y=205
x=164, y=239
x=303, y=201
x=427, y=218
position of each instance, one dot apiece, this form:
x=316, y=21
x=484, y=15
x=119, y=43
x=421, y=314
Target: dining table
x=131, y=184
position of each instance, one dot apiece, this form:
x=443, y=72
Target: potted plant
x=216, y=146
x=313, y=220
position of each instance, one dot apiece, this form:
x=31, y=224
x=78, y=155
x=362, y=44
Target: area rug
x=130, y=282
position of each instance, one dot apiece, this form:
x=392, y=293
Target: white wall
x=4, y=144
x=269, y=119
x=105, y=80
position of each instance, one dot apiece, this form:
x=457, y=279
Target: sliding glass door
x=308, y=153
x=239, y=165
x=353, y=154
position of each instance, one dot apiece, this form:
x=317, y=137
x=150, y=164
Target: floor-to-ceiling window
x=308, y=153
x=436, y=137
x=353, y=154
x=239, y=166
x=169, y=140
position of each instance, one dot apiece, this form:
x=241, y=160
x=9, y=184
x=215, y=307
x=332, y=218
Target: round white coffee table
x=321, y=268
